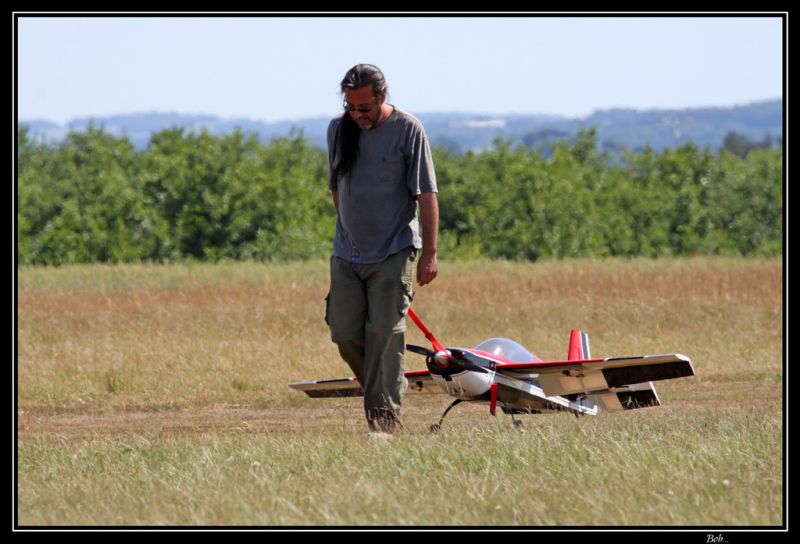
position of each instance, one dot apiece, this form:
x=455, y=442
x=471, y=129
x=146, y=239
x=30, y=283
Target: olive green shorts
x=370, y=297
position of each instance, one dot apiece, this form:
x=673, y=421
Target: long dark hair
x=346, y=139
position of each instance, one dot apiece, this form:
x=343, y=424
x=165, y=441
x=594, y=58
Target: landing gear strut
x=437, y=426
x=517, y=423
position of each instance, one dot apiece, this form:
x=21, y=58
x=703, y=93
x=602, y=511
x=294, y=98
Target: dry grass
x=161, y=386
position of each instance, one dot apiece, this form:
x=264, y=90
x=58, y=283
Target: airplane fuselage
x=523, y=394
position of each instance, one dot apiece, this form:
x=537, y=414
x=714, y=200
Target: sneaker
x=383, y=420
x=379, y=436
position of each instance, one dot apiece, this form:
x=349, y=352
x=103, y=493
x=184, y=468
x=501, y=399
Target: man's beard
x=371, y=122
x=368, y=126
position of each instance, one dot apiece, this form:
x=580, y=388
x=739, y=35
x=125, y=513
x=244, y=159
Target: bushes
x=188, y=196
x=514, y=204
x=198, y=196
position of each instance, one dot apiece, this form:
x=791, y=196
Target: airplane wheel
x=435, y=428
x=518, y=424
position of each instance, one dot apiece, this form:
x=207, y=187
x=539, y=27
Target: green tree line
x=94, y=198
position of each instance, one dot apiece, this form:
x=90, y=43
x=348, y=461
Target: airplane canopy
x=506, y=348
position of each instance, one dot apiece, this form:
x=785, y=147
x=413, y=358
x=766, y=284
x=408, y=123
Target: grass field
x=156, y=395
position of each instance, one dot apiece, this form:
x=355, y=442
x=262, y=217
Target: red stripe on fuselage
x=500, y=359
x=512, y=366
x=535, y=362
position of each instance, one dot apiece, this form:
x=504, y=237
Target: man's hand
x=427, y=268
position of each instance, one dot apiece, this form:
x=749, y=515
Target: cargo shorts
x=370, y=297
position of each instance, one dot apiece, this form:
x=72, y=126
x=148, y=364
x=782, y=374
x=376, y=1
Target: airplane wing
x=419, y=381
x=337, y=387
x=536, y=399
x=598, y=375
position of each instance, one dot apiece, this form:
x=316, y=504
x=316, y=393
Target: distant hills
x=617, y=129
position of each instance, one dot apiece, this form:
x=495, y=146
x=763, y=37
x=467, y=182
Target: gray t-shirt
x=378, y=197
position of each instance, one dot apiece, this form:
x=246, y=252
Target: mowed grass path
x=152, y=395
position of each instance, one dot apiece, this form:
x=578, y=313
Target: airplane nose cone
x=442, y=358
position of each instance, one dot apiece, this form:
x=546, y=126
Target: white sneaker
x=379, y=436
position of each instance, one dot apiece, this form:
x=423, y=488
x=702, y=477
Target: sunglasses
x=350, y=108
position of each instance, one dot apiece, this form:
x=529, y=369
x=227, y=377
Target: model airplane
x=500, y=370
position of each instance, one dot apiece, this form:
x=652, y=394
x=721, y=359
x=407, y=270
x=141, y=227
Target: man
x=381, y=168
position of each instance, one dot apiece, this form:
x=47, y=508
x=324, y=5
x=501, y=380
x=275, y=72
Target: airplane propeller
x=442, y=356
x=452, y=356
x=420, y=350
x=466, y=360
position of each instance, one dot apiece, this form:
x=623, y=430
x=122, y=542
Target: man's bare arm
x=428, y=266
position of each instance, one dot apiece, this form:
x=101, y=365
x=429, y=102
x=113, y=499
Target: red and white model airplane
x=500, y=370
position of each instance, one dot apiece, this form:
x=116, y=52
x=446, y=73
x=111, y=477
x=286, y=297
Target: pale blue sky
x=270, y=68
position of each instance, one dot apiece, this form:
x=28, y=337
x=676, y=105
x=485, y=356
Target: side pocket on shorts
x=407, y=281
x=409, y=267
x=407, y=298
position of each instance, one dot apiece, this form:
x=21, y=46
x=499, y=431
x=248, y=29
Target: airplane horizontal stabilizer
x=628, y=370
x=627, y=397
x=570, y=377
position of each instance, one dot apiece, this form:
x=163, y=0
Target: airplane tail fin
x=578, y=346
